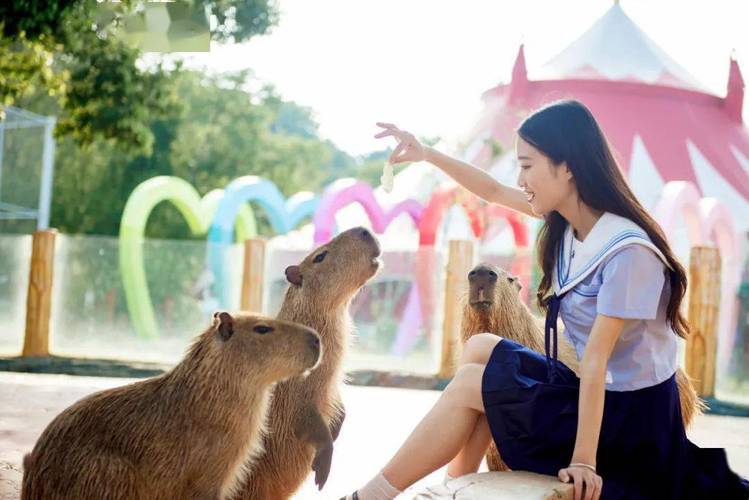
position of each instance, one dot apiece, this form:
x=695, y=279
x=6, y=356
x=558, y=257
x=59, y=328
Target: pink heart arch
x=346, y=191
x=708, y=222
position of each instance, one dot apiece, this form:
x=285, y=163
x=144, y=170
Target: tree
x=70, y=50
x=222, y=132
x=120, y=124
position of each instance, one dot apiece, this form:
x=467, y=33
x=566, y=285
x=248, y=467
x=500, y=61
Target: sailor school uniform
x=531, y=400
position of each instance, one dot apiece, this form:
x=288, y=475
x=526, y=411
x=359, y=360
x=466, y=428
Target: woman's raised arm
x=474, y=179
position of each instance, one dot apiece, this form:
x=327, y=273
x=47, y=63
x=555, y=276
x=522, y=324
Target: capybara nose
x=484, y=274
x=364, y=234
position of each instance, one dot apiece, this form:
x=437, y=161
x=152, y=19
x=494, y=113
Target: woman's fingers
x=410, y=151
x=578, y=479
x=598, y=488
x=394, y=155
x=593, y=483
x=384, y=133
x=407, y=149
x=589, y=487
x=398, y=134
x=386, y=125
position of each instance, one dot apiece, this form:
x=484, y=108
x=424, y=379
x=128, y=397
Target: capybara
x=493, y=305
x=189, y=433
x=306, y=415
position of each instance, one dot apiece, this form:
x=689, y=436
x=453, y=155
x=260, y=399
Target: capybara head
x=489, y=285
x=335, y=271
x=494, y=305
x=264, y=348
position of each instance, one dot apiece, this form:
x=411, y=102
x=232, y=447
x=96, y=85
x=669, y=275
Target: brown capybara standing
x=306, y=415
x=494, y=306
x=189, y=433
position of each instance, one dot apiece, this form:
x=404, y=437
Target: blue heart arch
x=284, y=215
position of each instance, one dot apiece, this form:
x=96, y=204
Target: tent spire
x=519, y=83
x=734, y=101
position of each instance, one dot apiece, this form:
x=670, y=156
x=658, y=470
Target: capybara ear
x=294, y=275
x=516, y=280
x=224, y=324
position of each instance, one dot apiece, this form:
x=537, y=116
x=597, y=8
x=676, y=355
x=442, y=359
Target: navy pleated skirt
x=643, y=451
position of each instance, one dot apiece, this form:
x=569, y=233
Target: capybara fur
x=493, y=305
x=306, y=415
x=190, y=433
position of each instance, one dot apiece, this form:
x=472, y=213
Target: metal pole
x=45, y=190
x=2, y=149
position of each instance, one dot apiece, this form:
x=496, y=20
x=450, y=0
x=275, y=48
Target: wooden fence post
x=39, y=295
x=459, y=263
x=704, y=308
x=253, y=275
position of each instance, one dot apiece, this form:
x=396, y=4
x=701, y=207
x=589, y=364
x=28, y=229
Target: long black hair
x=566, y=132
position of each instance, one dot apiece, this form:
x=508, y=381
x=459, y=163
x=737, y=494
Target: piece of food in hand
x=387, y=177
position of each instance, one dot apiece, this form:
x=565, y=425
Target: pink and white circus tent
x=661, y=122
x=684, y=150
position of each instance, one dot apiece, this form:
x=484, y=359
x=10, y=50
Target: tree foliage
x=220, y=133
x=70, y=50
x=120, y=123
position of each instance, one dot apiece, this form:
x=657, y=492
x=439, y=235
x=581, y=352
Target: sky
x=423, y=64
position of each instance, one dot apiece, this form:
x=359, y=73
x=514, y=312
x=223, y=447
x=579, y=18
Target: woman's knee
x=465, y=387
x=478, y=348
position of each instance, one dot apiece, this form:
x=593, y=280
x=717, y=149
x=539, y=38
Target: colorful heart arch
x=197, y=211
x=284, y=215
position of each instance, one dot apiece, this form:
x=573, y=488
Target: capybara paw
x=321, y=466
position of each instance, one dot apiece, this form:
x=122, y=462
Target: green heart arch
x=197, y=211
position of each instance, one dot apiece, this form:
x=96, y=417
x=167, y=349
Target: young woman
x=616, y=431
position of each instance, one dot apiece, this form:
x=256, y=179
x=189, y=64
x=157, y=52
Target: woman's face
x=547, y=186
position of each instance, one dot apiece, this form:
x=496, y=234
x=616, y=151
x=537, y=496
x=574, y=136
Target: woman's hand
x=582, y=476
x=408, y=148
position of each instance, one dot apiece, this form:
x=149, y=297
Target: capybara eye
x=262, y=329
x=511, y=279
x=320, y=257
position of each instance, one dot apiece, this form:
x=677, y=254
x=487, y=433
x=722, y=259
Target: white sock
x=378, y=488
x=448, y=477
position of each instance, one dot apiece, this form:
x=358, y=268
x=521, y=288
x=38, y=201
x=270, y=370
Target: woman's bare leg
x=477, y=350
x=455, y=423
x=442, y=432
x=468, y=460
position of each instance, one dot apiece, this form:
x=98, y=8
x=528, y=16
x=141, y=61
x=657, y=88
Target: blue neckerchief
x=552, y=313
